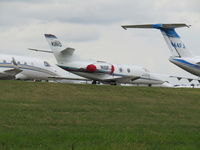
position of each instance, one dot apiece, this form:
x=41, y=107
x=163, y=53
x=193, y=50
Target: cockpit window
x=46, y=64
x=198, y=63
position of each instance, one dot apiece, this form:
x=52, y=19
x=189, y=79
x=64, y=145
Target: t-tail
x=173, y=40
x=62, y=54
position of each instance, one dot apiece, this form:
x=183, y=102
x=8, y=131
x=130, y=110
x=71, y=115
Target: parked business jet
x=181, y=56
x=23, y=67
x=100, y=71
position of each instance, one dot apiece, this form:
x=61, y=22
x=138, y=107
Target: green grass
x=88, y=117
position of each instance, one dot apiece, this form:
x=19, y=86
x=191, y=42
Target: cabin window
x=46, y=64
x=120, y=69
x=4, y=61
x=128, y=70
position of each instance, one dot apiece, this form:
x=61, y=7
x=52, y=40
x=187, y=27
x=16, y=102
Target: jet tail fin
x=173, y=40
x=61, y=54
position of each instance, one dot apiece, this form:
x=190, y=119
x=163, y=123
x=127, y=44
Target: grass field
x=49, y=116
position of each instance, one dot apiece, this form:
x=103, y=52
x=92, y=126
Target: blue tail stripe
x=169, y=31
x=157, y=26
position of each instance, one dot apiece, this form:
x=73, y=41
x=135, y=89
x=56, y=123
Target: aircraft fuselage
x=191, y=65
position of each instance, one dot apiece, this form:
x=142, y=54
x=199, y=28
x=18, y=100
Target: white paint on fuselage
x=189, y=64
x=119, y=71
x=32, y=68
x=98, y=70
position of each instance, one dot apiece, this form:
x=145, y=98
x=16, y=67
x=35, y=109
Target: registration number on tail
x=178, y=45
x=56, y=43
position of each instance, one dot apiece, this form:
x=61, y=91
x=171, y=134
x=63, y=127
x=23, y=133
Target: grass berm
x=54, y=116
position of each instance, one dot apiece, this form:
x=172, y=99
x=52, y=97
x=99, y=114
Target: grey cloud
x=29, y=34
x=26, y=1
x=18, y=12
x=81, y=12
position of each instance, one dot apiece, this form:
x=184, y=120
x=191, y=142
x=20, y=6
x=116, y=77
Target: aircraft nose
x=91, y=68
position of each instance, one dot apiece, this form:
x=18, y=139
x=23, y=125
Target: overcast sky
x=93, y=28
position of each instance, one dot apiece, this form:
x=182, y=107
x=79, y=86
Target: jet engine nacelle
x=21, y=76
x=100, y=68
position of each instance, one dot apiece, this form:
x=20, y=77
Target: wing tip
x=124, y=27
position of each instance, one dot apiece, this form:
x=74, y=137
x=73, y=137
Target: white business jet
x=100, y=71
x=25, y=68
x=181, y=56
x=30, y=68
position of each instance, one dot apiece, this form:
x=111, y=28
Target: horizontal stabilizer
x=68, y=50
x=39, y=50
x=157, y=26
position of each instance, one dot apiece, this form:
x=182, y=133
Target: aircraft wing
x=67, y=50
x=63, y=78
x=125, y=79
x=189, y=79
x=12, y=72
x=9, y=73
x=40, y=50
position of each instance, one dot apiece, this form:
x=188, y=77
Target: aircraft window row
x=128, y=70
x=25, y=63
